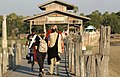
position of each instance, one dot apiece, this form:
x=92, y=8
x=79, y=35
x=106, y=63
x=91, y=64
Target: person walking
x=41, y=53
x=55, y=47
x=33, y=43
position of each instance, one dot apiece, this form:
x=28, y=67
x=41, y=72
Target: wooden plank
x=82, y=66
x=4, y=60
x=108, y=40
x=77, y=58
x=93, y=67
x=88, y=63
x=104, y=52
x=69, y=58
x=73, y=58
x=101, y=40
x=0, y=70
x=98, y=66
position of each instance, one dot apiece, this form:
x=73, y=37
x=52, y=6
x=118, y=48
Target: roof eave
x=67, y=13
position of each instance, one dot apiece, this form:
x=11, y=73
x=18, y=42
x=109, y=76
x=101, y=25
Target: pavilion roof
x=57, y=11
x=69, y=6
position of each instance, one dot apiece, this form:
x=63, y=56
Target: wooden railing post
x=0, y=64
x=4, y=60
x=77, y=54
x=70, y=55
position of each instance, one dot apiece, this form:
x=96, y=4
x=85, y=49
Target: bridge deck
x=24, y=70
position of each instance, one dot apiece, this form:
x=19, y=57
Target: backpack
x=43, y=46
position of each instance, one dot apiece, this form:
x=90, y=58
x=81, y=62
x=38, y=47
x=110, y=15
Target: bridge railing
x=91, y=64
x=10, y=57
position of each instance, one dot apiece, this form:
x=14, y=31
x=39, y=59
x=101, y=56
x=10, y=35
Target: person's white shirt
x=53, y=38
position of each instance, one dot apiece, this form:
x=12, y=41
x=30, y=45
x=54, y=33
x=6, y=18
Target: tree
x=96, y=19
x=75, y=9
x=82, y=14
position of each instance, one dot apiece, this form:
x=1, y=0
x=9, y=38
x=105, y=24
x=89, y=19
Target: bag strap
x=57, y=39
x=41, y=38
x=33, y=39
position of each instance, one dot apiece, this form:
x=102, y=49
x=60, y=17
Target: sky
x=30, y=7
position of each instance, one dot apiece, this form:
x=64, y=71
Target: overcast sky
x=29, y=7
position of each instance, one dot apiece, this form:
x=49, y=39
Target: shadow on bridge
x=24, y=69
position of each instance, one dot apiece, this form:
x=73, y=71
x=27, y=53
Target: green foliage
x=75, y=9
x=15, y=24
x=105, y=19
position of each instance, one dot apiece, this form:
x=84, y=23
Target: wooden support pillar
x=4, y=46
x=81, y=27
x=108, y=40
x=77, y=59
x=101, y=40
x=68, y=28
x=105, y=41
x=4, y=33
x=0, y=70
x=4, y=60
x=30, y=26
x=93, y=67
x=19, y=51
x=70, y=44
x=82, y=66
x=72, y=58
x=0, y=64
x=44, y=28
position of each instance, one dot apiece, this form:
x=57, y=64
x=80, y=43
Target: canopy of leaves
x=105, y=19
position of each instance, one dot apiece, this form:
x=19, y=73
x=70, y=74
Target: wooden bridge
x=75, y=62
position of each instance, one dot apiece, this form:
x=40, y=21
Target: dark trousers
x=32, y=60
x=40, y=58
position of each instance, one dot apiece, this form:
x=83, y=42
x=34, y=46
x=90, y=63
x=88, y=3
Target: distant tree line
x=15, y=24
x=105, y=19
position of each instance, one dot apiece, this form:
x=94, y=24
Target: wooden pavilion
x=56, y=12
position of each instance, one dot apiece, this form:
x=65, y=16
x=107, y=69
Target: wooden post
x=81, y=28
x=45, y=28
x=93, y=67
x=19, y=51
x=4, y=33
x=101, y=40
x=13, y=50
x=82, y=66
x=4, y=46
x=99, y=63
x=4, y=61
x=0, y=64
x=70, y=56
x=88, y=63
x=30, y=26
x=68, y=28
x=105, y=41
x=78, y=49
x=23, y=51
x=0, y=70
x=73, y=58
x=108, y=40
